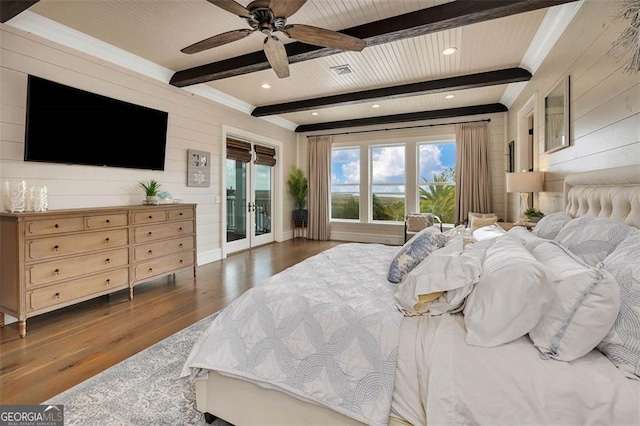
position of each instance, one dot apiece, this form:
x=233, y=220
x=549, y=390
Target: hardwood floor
x=65, y=347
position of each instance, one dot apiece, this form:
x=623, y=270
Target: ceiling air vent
x=342, y=69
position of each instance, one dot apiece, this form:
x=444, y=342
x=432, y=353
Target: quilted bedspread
x=325, y=330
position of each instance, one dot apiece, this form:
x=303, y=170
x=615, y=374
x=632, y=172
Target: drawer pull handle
x=180, y=245
x=180, y=213
x=56, y=226
x=108, y=221
x=150, y=217
x=180, y=229
x=108, y=260
x=150, y=269
x=57, y=271
x=56, y=247
x=150, y=251
x=108, y=281
x=180, y=260
x=57, y=295
x=150, y=233
x=106, y=240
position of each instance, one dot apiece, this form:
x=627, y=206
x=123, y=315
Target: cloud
x=345, y=166
x=388, y=164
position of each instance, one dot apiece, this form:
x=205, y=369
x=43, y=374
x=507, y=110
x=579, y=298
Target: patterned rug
x=144, y=389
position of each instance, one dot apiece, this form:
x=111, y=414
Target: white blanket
x=325, y=330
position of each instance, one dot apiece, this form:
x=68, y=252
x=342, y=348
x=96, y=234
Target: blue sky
x=388, y=163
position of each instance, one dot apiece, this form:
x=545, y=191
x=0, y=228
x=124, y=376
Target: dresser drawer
x=106, y=221
x=151, y=216
x=180, y=214
x=66, y=292
x=143, y=234
x=58, y=270
x=45, y=248
x=54, y=226
x=162, y=248
x=162, y=265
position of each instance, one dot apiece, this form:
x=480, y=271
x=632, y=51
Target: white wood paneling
x=194, y=123
x=604, y=101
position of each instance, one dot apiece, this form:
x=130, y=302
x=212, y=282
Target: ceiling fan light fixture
x=449, y=51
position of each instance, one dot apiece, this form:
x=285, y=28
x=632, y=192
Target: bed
x=333, y=341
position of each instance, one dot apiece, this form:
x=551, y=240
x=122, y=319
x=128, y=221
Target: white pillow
x=488, y=232
x=515, y=290
x=622, y=343
x=550, y=225
x=585, y=307
x=445, y=270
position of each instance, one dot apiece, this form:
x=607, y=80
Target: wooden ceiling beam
x=402, y=118
x=433, y=19
x=470, y=81
x=11, y=8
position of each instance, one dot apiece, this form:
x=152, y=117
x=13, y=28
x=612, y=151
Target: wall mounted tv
x=69, y=125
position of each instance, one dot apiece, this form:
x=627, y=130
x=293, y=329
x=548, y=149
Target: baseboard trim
x=367, y=238
x=209, y=256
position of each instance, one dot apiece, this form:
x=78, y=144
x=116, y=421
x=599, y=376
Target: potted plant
x=298, y=188
x=151, y=189
x=533, y=215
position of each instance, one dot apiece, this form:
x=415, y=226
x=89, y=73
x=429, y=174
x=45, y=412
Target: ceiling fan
x=268, y=17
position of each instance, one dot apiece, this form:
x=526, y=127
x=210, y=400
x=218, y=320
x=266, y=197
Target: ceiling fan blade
x=323, y=37
x=231, y=6
x=285, y=8
x=217, y=40
x=277, y=56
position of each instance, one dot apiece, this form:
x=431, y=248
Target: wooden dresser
x=49, y=260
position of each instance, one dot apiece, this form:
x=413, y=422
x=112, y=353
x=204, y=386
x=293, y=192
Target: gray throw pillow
x=550, y=225
x=414, y=251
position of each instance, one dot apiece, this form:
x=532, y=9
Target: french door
x=249, y=203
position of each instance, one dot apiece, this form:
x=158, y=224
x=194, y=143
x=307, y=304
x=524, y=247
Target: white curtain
x=319, y=154
x=473, y=170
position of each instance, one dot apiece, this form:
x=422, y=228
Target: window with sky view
x=388, y=191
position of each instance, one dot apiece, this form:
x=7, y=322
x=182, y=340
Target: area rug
x=144, y=389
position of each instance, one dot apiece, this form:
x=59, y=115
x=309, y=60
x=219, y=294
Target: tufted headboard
x=613, y=193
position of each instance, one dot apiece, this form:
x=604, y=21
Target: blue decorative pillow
x=592, y=238
x=414, y=251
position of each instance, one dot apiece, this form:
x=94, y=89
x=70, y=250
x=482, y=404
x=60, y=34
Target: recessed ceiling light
x=266, y=86
x=314, y=113
x=449, y=51
x=375, y=106
x=450, y=96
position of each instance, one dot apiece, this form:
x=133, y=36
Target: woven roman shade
x=264, y=155
x=239, y=150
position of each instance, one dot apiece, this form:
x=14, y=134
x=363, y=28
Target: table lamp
x=524, y=183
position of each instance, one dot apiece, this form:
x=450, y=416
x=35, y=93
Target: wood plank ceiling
x=401, y=69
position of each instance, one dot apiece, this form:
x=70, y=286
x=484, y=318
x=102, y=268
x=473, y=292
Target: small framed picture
x=198, y=168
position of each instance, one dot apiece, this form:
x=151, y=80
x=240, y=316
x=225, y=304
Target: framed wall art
x=556, y=117
x=198, y=168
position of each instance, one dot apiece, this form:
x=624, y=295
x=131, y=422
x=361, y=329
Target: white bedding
x=325, y=330
x=511, y=384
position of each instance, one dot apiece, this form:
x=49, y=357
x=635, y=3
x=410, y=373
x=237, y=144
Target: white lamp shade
x=525, y=182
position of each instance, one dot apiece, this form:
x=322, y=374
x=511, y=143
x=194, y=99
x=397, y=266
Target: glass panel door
x=262, y=204
x=237, y=205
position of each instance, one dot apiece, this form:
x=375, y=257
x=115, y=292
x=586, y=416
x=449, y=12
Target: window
x=388, y=182
x=436, y=179
x=345, y=183
x=380, y=181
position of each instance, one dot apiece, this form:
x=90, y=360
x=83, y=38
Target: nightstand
x=508, y=225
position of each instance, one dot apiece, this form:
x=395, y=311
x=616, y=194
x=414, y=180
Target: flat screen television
x=72, y=126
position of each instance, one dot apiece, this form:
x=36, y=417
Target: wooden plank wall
x=194, y=123
x=604, y=103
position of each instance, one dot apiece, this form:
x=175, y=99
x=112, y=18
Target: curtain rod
x=488, y=120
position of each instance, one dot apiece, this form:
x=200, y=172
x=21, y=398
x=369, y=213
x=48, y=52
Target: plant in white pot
x=151, y=190
x=298, y=189
x=533, y=215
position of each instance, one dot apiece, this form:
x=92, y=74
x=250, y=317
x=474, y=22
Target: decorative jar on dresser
x=50, y=260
